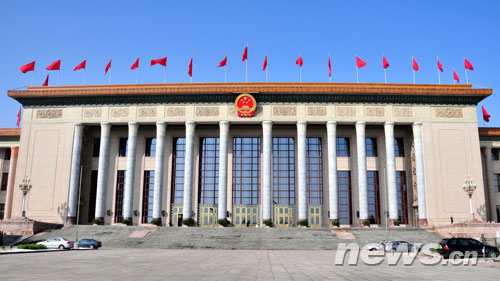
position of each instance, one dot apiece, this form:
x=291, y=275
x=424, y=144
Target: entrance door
x=283, y=215
x=208, y=215
x=245, y=215
x=176, y=215
x=314, y=217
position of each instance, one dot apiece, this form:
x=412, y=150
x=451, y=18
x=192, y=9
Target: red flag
x=162, y=61
x=81, y=65
x=415, y=64
x=46, y=83
x=360, y=63
x=455, y=76
x=468, y=65
x=299, y=61
x=190, y=71
x=108, y=66
x=440, y=66
x=486, y=115
x=19, y=117
x=329, y=67
x=135, y=65
x=264, y=67
x=28, y=67
x=55, y=65
x=223, y=62
x=385, y=63
x=245, y=54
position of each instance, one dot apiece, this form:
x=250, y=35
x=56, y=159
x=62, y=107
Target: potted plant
x=303, y=223
x=125, y=222
x=268, y=223
x=188, y=222
x=156, y=222
x=335, y=223
x=223, y=222
x=96, y=222
x=397, y=222
x=366, y=223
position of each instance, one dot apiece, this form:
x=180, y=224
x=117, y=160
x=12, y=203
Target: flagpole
x=191, y=77
x=413, y=69
x=439, y=74
x=385, y=75
x=329, y=61
x=246, y=66
x=454, y=80
x=266, y=68
x=58, y=74
x=466, y=78
x=300, y=70
x=109, y=77
x=165, y=75
x=137, y=76
x=357, y=70
x=83, y=83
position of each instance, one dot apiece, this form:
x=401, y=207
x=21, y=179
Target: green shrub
x=268, y=223
x=223, y=222
x=336, y=223
x=188, y=222
x=94, y=221
x=32, y=247
x=156, y=222
x=366, y=222
x=125, y=222
x=303, y=223
x=396, y=222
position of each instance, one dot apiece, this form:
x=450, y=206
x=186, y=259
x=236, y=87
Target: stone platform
x=470, y=230
x=25, y=227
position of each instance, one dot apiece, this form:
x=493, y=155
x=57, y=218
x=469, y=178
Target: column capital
x=133, y=127
x=14, y=151
x=331, y=123
x=267, y=127
x=105, y=129
x=389, y=123
x=190, y=126
x=78, y=129
x=417, y=129
x=224, y=127
x=360, y=124
x=301, y=127
x=160, y=128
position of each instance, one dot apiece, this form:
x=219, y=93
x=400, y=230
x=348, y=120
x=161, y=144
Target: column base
x=70, y=220
x=130, y=221
x=422, y=222
x=100, y=219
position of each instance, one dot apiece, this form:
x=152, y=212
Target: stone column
x=302, y=173
x=391, y=172
x=331, y=127
x=492, y=215
x=74, y=180
x=128, y=190
x=362, y=187
x=419, y=163
x=223, y=159
x=102, y=172
x=187, y=209
x=14, y=152
x=267, y=151
x=159, y=167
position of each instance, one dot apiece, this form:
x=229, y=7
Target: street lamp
x=25, y=187
x=469, y=188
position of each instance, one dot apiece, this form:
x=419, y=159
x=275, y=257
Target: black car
x=89, y=243
x=463, y=245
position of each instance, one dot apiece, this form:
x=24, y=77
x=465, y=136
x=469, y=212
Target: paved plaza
x=160, y=264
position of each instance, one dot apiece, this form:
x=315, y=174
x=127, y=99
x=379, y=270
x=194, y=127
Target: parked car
x=89, y=243
x=380, y=246
x=400, y=246
x=463, y=245
x=57, y=243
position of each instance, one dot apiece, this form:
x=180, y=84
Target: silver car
x=57, y=243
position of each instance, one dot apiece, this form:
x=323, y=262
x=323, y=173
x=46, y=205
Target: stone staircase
x=233, y=238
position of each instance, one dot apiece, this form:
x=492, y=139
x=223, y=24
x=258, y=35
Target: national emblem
x=245, y=104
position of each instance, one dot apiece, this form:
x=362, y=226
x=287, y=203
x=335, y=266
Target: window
x=2, y=210
x=373, y=197
x=344, y=196
x=399, y=147
x=92, y=195
x=343, y=147
x=122, y=148
x=120, y=183
x=246, y=171
x=5, y=179
x=314, y=171
x=494, y=154
x=496, y=182
x=284, y=171
x=7, y=154
x=401, y=197
x=147, y=196
x=150, y=147
x=209, y=171
x=371, y=147
x=178, y=170
x=96, y=147
x=498, y=213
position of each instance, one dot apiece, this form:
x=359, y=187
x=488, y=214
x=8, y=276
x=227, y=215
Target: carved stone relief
x=448, y=112
x=316, y=111
x=375, y=111
x=402, y=112
x=207, y=111
x=48, y=113
x=284, y=111
x=119, y=112
x=346, y=111
x=176, y=111
x=146, y=112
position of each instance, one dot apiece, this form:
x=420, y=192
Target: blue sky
x=125, y=30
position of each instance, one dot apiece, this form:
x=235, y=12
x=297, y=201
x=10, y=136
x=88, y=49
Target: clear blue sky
x=124, y=30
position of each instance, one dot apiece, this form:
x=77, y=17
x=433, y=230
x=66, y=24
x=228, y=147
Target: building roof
x=489, y=131
x=269, y=92
x=10, y=131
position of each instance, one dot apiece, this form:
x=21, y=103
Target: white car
x=57, y=243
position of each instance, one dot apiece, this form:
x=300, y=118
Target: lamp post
x=469, y=188
x=25, y=187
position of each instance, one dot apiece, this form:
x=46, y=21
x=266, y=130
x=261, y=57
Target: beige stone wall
x=492, y=194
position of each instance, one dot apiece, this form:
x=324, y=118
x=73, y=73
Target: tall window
x=371, y=147
x=122, y=148
x=7, y=154
x=373, y=197
x=96, y=147
x=314, y=175
x=496, y=182
x=344, y=196
x=150, y=150
x=343, y=147
x=5, y=179
x=401, y=193
x=284, y=171
x=92, y=195
x=498, y=213
x=147, y=196
x=246, y=171
x=120, y=183
x=494, y=154
x=399, y=147
x=209, y=171
x=2, y=210
x=179, y=156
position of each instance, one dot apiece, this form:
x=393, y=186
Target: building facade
x=250, y=152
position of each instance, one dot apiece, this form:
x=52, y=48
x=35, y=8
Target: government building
x=249, y=153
